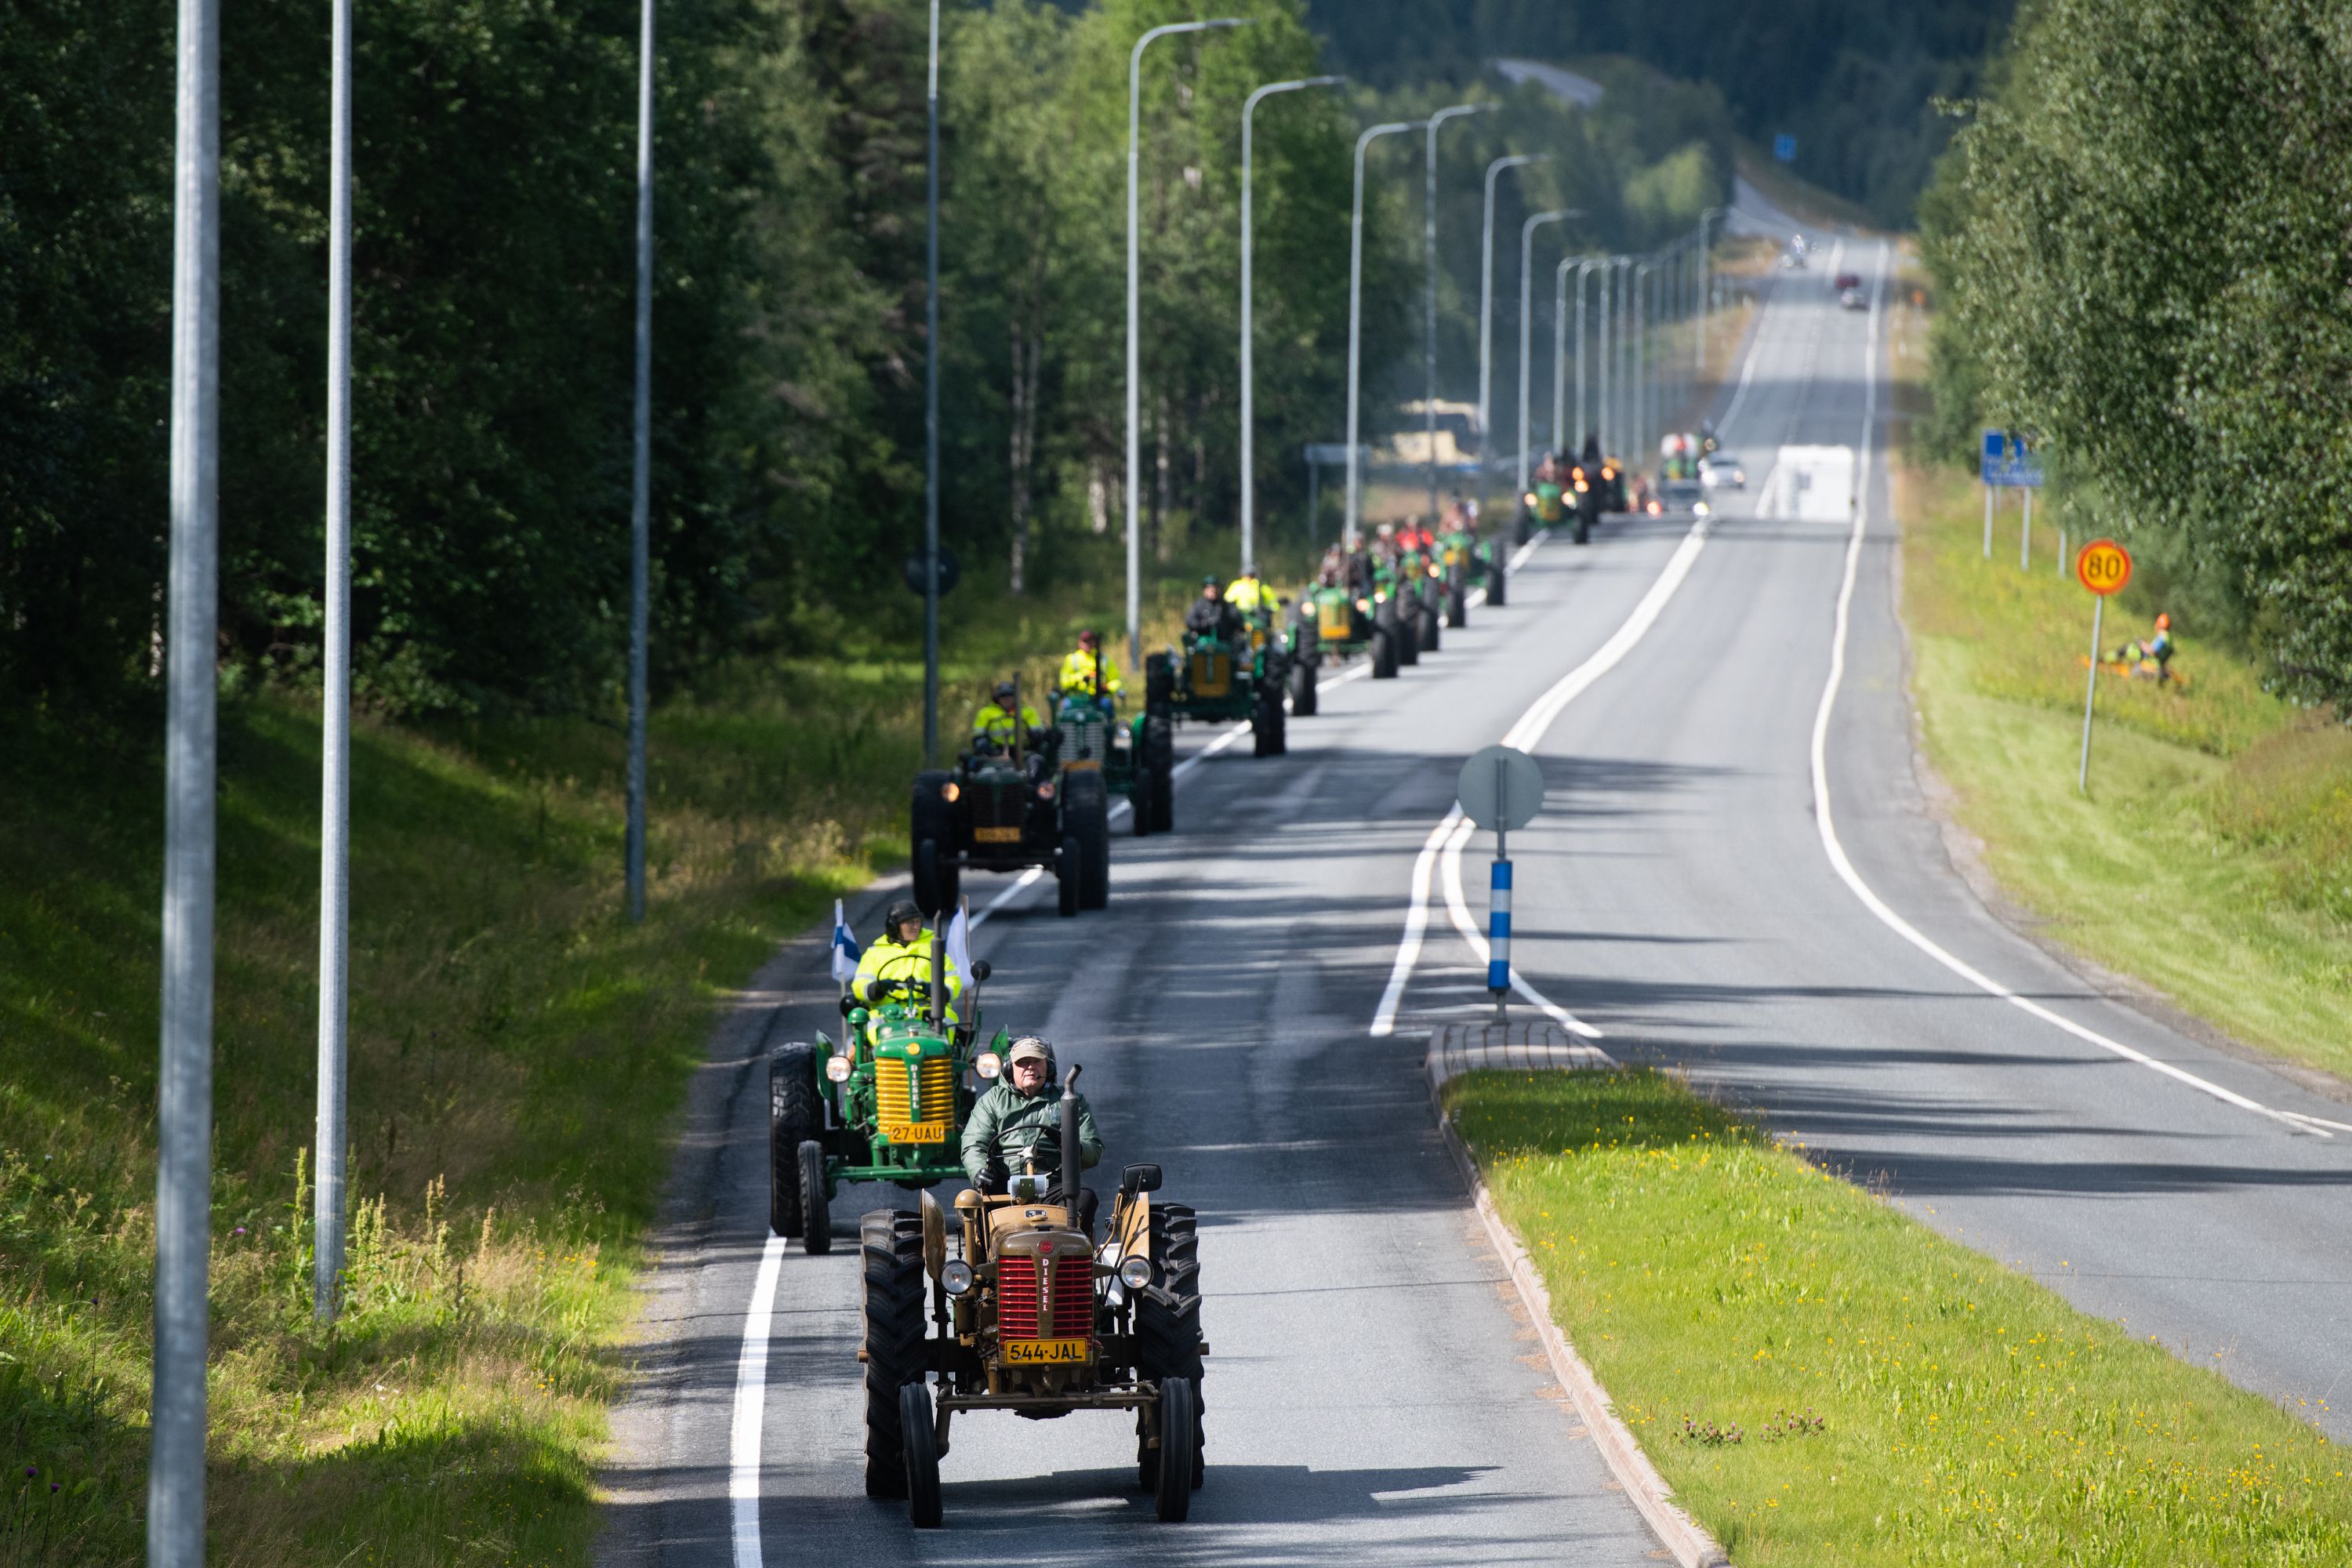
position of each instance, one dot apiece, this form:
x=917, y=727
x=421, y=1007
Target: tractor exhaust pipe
x=1066, y=1180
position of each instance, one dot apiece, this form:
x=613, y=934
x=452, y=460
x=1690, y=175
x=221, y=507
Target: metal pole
x=1249, y=365
x=1134, y=352
x=183, y=1119
x=932, y=408
x=1988, y=540
x=2025, y=531
x=1641, y=357
x=335, y=787
x=1624, y=354
x=641, y=469
x=1313, y=497
x=1487, y=316
x=2090, y=693
x=1527, y=310
x=1429, y=290
x=1706, y=281
x=1606, y=311
x=1560, y=355
x=1356, y=319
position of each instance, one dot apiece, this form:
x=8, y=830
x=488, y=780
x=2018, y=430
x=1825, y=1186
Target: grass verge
x=1824, y=1381
x=518, y=1052
x=2212, y=856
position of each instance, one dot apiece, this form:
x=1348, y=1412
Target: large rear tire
x=1408, y=645
x=938, y=878
x=1179, y=1429
x=795, y=1114
x=1159, y=749
x=817, y=1206
x=1425, y=630
x=1067, y=874
x=1167, y=1337
x=1085, y=811
x=921, y=1450
x=1384, y=653
x=1158, y=685
x=932, y=819
x=1457, y=606
x=1495, y=579
x=891, y=1242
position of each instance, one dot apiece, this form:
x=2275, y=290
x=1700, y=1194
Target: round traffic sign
x=2103, y=566
x=1500, y=786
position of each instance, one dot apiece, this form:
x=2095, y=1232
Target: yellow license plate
x=996, y=835
x=1084, y=765
x=1043, y=1352
x=915, y=1132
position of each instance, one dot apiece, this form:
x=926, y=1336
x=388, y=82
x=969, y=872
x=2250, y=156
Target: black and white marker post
x=1500, y=788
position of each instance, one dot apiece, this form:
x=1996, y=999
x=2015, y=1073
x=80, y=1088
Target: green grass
x=518, y=1055
x=2212, y=857
x=1967, y=1415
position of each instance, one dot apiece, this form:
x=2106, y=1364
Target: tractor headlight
x=1582, y=487
x=837, y=1068
x=948, y=791
x=955, y=1276
x=1045, y=791
x=988, y=1064
x=1530, y=497
x=1134, y=1273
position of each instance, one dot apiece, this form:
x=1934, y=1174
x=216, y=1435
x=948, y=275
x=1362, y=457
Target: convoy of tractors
x=1011, y=1296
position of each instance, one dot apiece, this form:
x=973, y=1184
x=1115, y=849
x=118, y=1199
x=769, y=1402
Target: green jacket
x=1005, y=1122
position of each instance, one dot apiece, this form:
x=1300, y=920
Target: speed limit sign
x=2103, y=566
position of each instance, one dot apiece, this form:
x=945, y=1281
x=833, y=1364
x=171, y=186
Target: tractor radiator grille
x=1213, y=674
x=1017, y=1298
x=997, y=804
x=934, y=1083
x=1086, y=738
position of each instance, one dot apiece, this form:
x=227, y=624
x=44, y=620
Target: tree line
x=495, y=168
x=2140, y=242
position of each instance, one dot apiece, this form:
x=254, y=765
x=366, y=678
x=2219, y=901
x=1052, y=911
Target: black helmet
x=1006, y=691
x=901, y=911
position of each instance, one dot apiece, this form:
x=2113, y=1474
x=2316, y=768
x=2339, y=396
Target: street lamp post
x=1527, y=309
x=931, y=410
x=1705, y=282
x=1605, y=308
x=1134, y=352
x=1641, y=388
x=1486, y=313
x=641, y=461
x=1249, y=365
x=1583, y=269
x=1356, y=318
x=1429, y=289
x=1624, y=342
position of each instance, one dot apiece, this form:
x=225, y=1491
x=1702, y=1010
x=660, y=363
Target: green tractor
x=1337, y=622
x=1008, y=808
x=1135, y=758
x=889, y=1103
x=1222, y=679
x=1468, y=562
x=1421, y=595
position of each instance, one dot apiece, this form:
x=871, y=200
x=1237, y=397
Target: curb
x=1692, y=1546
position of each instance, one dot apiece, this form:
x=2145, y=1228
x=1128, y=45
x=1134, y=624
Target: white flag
x=959, y=944
x=844, y=947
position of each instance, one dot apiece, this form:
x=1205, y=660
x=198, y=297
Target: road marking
x=1836, y=850
x=752, y=1408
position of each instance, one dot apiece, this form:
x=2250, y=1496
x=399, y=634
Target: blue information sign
x=1784, y=148
x=2006, y=464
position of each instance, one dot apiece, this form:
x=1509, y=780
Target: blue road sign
x=2006, y=464
x=1784, y=148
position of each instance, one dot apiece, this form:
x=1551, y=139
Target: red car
x=1846, y=280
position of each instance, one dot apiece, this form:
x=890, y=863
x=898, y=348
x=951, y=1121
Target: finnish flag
x=959, y=944
x=845, y=951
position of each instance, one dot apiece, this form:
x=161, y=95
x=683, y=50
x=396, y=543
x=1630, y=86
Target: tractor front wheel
x=817, y=1204
x=1302, y=690
x=891, y=1244
x=795, y=1114
x=1085, y=816
x=921, y=1449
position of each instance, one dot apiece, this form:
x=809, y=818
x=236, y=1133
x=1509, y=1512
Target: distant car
x=1852, y=299
x=1721, y=471
x=1847, y=280
x=1680, y=495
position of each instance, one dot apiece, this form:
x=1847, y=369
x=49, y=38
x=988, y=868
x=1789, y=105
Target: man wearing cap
x=901, y=958
x=998, y=717
x=1020, y=1118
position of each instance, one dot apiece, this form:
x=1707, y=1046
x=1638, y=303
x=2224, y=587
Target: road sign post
x=1501, y=788
x=2103, y=567
x=2006, y=464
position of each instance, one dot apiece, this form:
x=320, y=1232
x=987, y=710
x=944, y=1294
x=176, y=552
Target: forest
x=493, y=266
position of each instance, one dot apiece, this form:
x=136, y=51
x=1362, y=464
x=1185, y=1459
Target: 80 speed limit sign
x=2103, y=566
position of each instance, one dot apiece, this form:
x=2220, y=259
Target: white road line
x=1836, y=851
x=752, y=1408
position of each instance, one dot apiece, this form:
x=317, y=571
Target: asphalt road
x=1372, y=1396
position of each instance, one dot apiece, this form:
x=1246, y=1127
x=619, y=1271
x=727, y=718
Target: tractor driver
x=1246, y=594
x=998, y=722
x=1082, y=670
x=901, y=959
x=1211, y=615
x=1017, y=1124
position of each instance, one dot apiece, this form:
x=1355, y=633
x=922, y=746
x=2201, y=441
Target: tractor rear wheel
x=1085, y=813
x=1583, y=529
x=1067, y=873
x=938, y=878
x=1408, y=644
x=1302, y=690
x=1179, y=1428
x=921, y=1448
x=1384, y=653
x=1139, y=801
x=795, y=1114
x=1495, y=579
x=817, y=1204
x=1425, y=627
x=1457, y=606
x=1167, y=1337
x=932, y=819
x=891, y=1244
x=1158, y=685
x=1159, y=754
